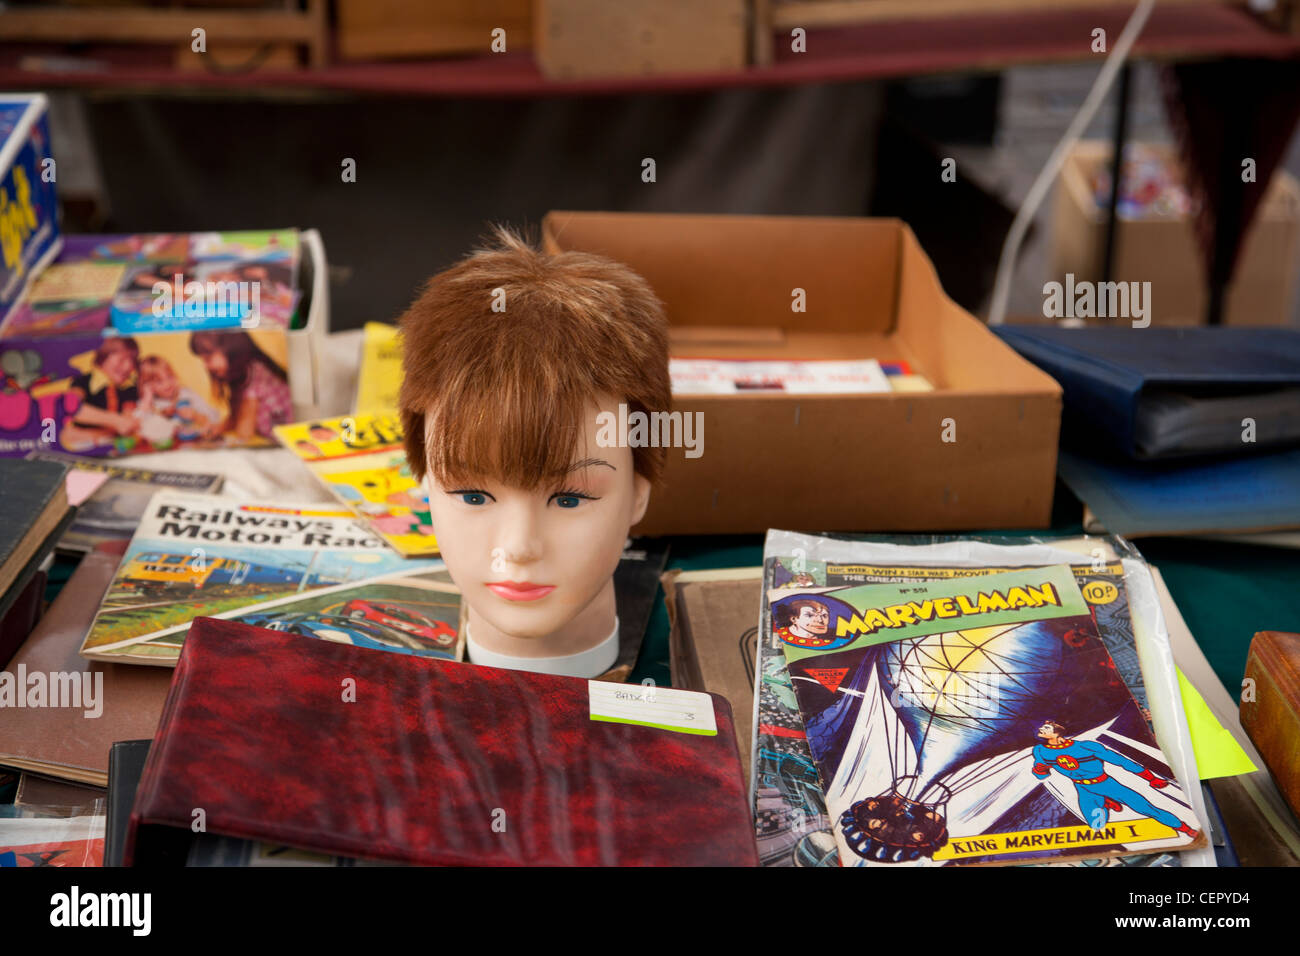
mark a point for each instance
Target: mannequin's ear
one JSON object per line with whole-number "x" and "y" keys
{"x": 641, "y": 497}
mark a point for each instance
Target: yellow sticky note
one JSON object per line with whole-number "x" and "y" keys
{"x": 1217, "y": 752}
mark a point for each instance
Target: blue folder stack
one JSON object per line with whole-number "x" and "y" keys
{"x": 1176, "y": 431}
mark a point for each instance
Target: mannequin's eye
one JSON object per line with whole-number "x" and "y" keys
{"x": 473, "y": 497}
{"x": 570, "y": 499}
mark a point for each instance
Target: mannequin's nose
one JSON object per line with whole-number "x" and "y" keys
{"x": 519, "y": 541}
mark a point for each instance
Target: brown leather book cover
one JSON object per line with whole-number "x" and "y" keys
{"x": 1270, "y": 707}
{"x": 65, "y": 742}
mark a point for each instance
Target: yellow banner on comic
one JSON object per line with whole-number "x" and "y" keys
{"x": 1054, "y": 838}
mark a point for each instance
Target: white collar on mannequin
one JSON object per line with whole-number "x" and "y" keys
{"x": 589, "y": 663}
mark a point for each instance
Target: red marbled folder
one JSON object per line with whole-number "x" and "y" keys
{"x": 422, "y": 764}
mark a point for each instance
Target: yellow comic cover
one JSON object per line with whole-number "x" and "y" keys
{"x": 361, "y": 460}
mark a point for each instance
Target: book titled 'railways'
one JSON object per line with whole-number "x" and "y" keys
{"x": 195, "y": 555}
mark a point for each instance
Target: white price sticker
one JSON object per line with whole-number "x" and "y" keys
{"x": 684, "y": 711}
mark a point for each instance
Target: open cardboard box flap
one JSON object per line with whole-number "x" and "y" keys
{"x": 832, "y": 462}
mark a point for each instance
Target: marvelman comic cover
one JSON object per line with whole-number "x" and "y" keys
{"x": 790, "y": 819}
{"x": 974, "y": 720}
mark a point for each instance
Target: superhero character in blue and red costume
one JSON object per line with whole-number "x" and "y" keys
{"x": 1083, "y": 762}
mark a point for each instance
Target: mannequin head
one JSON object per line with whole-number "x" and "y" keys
{"x": 510, "y": 356}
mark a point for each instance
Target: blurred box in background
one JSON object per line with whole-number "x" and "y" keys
{"x": 1156, "y": 239}
{"x": 393, "y": 29}
{"x": 590, "y": 38}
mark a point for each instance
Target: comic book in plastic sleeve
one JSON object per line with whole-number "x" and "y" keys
{"x": 361, "y": 460}
{"x": 52, "y": 836}
{"x": 974, "y": 720}
{"x": 790, "y": 820}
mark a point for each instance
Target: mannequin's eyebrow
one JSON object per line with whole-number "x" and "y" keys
{"x": 586, "y": 462}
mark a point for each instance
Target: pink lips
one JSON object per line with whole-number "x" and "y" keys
{"x": 515, "y": 591}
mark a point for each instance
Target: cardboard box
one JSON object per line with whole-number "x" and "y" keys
{"x": 29, "y": 213}
{"x": 393, "y": 29}
{"x": 1164, "y": 250}
{"x": 874, "y": 462}
{"x": 593, "y": 38}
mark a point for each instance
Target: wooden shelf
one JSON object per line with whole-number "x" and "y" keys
{"x": 879, "y": 50}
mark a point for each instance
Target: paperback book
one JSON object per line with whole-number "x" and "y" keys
{"x": 216, "y": 294}
{"x": 113, "y": 511}
{"x": 361, "y": 460}
{"x": 196, "y": 555}
{"x": 692, "y": 376}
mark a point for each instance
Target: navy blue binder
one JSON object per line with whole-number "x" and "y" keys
{"x": 1118, "y": 384}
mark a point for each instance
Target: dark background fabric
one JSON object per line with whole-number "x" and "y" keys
{"x": 432, "y": 175}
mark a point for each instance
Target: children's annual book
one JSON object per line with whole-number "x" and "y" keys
{"x": 973, "y": 720}
{"x": 361, "y": 460}
{"x": 202, "y": 555}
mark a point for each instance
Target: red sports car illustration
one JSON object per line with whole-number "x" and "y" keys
{"x": 399, "y": 618}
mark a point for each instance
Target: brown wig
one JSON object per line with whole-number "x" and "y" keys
{"x": 241, "y": 352}
{"x": 504, "y": 392}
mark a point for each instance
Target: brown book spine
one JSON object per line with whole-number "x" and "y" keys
{"x": 1270, "y": 707}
